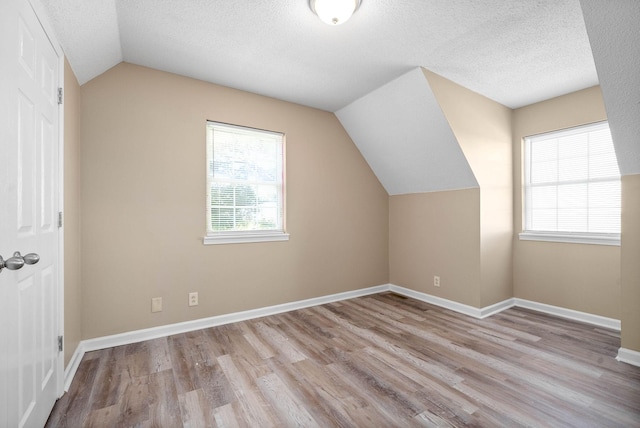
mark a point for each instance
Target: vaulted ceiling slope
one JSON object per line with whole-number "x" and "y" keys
{"x": 405, "y": 137}
{"x": 515, "y": 52}
{"x": 615, "y": 39}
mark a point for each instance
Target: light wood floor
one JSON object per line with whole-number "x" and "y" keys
{"x": 381, "y": 360}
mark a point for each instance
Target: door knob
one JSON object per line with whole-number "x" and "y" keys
{"x": 31, "y": 258}
{"x": 17, "y": 261}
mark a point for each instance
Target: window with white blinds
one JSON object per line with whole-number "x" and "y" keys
{"x": 572, "y": 190}
{"x": 245, "y": 184}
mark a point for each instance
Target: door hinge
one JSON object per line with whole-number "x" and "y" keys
{"x": 59, "y": 219}
{"x": 60, "y": 342}
{"x": 59, "y": 95}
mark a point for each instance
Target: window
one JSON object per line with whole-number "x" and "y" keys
{"x": 245, "y": 185}
{"x": 572, "y": 187}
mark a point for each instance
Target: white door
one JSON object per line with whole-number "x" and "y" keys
{"x": 29, "y": 198}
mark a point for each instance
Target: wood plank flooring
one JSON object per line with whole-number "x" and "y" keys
{"x": 381, "y": 360}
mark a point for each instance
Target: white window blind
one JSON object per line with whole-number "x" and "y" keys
{"x": 245, "y": 184}
{"x": 572, "y": 186}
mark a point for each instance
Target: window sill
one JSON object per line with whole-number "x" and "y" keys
{"x": 244, "y": 237}
{"x": 572, "y": 238}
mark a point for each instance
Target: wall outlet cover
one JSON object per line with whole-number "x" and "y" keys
{"x": 156, "y": 304}
{"x": 193, "y": 298}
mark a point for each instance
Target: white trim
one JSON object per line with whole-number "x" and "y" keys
{"x": 571, "y": 238}
{"x": 72, "y": 367}
{"x": 43, "y": 19}
{"x": 625, "y": 355}
{"x": 244, "y": 237}
{"x": 629, "y": 356}
{"x": 571, "y": 314}
{"x": 454, "y": 306}
{"x": 491, "y": 310}
{"x": 183, "y": 327}
{"x": 613, "y": 176}
{"x": 438, "y": 301}
{"x": 488, "y": 311}
{"x": 167, "y": 330}
{"x": 61, "y": 230}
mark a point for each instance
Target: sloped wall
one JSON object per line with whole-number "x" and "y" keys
{"x": 483, "y": 129}
{"x": 614, "y": 35}
{"x": 404, "y": 136}
{"x": 424, "y": 136}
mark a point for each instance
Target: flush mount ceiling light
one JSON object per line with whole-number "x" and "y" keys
{"x": 334, "y": 12}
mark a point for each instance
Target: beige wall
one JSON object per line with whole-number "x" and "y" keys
{"x": 143, "y": 205}
{"x": 142, "y": 167}
{"x": 436, "y": 233}
{"x": 483, "y": 130}
{"x": 575, "y": 276}
{"x": 72, "y": 254}
{"x": 630, "y": 262}
{"x": 463, "y": 236}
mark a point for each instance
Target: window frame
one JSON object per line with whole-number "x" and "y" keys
{"x": 243, "y": 236}
{"x": 597, "y": 238}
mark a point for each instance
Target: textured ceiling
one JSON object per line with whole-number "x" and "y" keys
{"x": 515, "y": 52}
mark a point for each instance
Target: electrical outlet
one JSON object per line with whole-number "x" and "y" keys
{"x": 193, "y": 298}
{"x": 156, "y": 304}
{"x": 436, "y": 281}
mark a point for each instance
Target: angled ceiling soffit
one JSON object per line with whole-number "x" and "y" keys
{"x": 614, "y": 34}
{"x": 403, "y": 134}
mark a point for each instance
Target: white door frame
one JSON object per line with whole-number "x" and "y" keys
{"x": 48, "y": 29}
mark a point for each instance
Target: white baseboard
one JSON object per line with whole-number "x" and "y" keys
{"x": 632, "y": 357}
{"x": 485, "y": 312}
{"x": 72, "y": 367}
{"x": 454, "y": 306}
{"x": 629, "y": 356}
{"x": 490, "y": 310}
{"x": 585, "y": 317}
{"x": 183, "y": 327}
